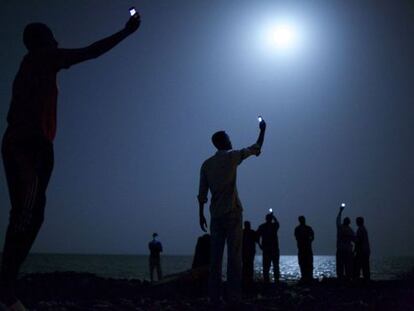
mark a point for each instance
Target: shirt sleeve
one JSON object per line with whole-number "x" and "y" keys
{"x": 240, "y": 155}
{"x": 203, "y": 188}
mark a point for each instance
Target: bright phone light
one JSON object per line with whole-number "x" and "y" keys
{"x": 343, "y": 204}
{"x": 270, "y": 210}
{"x": 132, "y": 11}
{"x": 260, "y": 118}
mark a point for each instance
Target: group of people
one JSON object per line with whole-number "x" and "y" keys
{"x": 352, "y": 250}
{"x": 218, "y": 175}
{"x": 27, "y": 151}
{"x": 352, "y": 255}
{"x": 267, "y": 239}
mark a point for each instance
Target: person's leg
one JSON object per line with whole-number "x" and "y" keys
{"x": 301, "y": 265}
{"x": 159, "y": 271}
{"x": 339, "y": 265}
{"x": 151, "y": 269}
{"x": 250, "y": 269}
{"x": 28, "y": 168}
{"x": 276, "y": 267}
{"x": 366, "y": 271}
{"x": 218, "y": 238}
{"x": 234, "y": 256}
{"x": 310, "y": 265}
{"x": 349, "y": 259}
{"x": 266, "y": 267}
{"x": 357, "y": 266}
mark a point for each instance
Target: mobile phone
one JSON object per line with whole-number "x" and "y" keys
{"x": 270, "y": 210}
{"x": 132, "y": 11}
{"x": 343, "y": 204}
{"x": 259, "y": 118}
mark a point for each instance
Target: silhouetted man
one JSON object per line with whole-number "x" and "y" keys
{"x": 27, "y": 147}
{"x": 304, "y": 237}
{"x": 218, "y": 174}
{"x": 248, "y": 253}
{"x": 155, "y": 248}
{"x": 344, "y": 246}
{"x": 362, "y": 251}
{"x": 269, "y": 243}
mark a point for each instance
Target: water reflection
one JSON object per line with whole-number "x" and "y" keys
{"x": 324, "y": 266}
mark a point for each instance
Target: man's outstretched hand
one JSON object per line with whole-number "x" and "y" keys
{"x": 133, "y": 23}
{"x": 203, "y": 223}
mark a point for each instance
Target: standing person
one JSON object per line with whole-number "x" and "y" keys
{"x": 362, "y": 251}
{"x": 155, "y": 248}
{"x": 248, "y": 253}
{"x": 219, "y": 175}
{"x": 27, "y": 147}
{"x": 344, "y": 246}
{"x": 304, "y": 237}
{"x": 269, "y": 243}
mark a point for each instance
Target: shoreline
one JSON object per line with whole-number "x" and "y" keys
{"x": 187, "y": 291}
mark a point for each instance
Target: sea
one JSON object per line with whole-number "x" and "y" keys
{"x": 136, "y": 266}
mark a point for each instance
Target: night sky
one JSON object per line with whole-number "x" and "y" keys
{"x": 134, "y": 126}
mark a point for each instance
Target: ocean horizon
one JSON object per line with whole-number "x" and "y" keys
{"x": 121, "y": 266}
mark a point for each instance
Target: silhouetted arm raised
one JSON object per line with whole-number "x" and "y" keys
{"x": 69, "y": 57}
{"x": 339, "y": 217}
{"x": 260, "y": 139}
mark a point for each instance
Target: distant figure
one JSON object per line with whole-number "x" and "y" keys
{"x": 155, "y": 248}
{"x": 362, "y": 251}
{"x": 304, "y": 237}
{"x": 202, "y": 252}
{"x": 269, "y": 243}
{"x": 248, "y": 253}
{"x": 344, "y": 247}
{"x": 27, "y": 147}
{"x": 218, "y": 174}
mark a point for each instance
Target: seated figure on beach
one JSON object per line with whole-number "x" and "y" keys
{"x": 269, "y": 244}
{"x": 155, "y": 248}
{"x": 344, "y": 247}
{"x": 248, "y": 253}
{"x": 202, "y": 252}
{"x": 362, "y": 251}
{"x": 304, "y": 237}
{"x": 27, "y": 147}
{"x": 218, "y": 174}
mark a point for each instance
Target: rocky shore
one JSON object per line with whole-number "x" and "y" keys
{"x": 83, "y": 291}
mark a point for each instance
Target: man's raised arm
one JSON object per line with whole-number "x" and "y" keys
{"x": 339, "y": 217}
{"x": 260, "y": 139}
{"x": 69, "y": 57}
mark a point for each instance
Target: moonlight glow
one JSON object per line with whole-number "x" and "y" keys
{"x": 281, "y": 36}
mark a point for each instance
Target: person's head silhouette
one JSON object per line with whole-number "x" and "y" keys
{"x": 360, "y": 221}
{"x": 247, "y": 225}
{"x": 347, "y": 221}
{"x": 221, "y": 141}
{"x": 269, "y": 217}
{"x": 154, "y": 235}
{"x": 302, "y": 220}
{"x": 37, "y": 36}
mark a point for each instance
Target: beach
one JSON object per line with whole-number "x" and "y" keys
{"x": 82, "y": 291}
